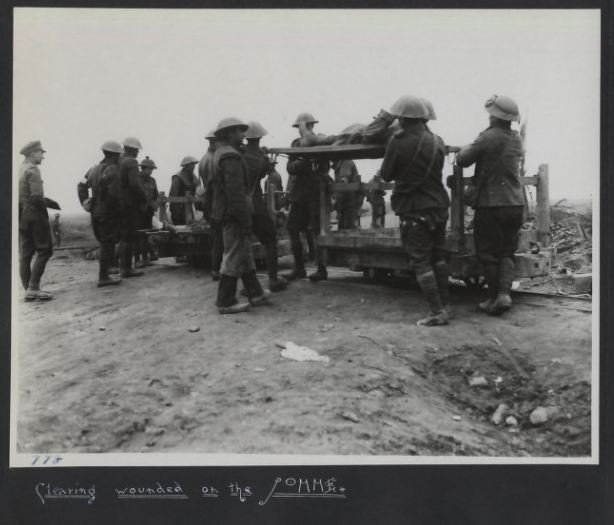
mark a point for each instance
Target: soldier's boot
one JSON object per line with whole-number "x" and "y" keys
{"x": 491, "y": 275}
{"x": 442, "y": 276}
{"x": 226, "y": 297}
{"x": 438, "y": 316}
{"x": 33, "y": 294}
{"x": 106, "y": 257}
{"x": 503, "y": 302}
{"x": 256, "y": 295}
{"x": 276, "y": 283}
{"x": 126, "y": 270}
{"x": 298, "y": 272}
{"x": 319, "y": 275}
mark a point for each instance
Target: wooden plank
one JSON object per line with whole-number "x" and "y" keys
{"x": 542, "y": 211}
{"x": 529, "y": 181}
{"x": 348, "y": 151}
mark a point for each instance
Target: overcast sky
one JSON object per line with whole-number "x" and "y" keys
{"x": 84, "y": 76}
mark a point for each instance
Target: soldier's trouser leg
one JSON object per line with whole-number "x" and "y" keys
{"x": 106, "y": 231}
{"x": 252, "y": 285}
{"x": 34, "y": 238}
{"x": 217, "y": 246}
{"x": 314, "y": 226}
{"x": 128, "y": 235}
{"x": 226, "y": 291}
{"x": 298, "y": 220}
{"x": 264, "y": 230}
{"x": 238, "y": 256}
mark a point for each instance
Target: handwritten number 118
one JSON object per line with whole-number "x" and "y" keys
{"x": 51, "y": 460}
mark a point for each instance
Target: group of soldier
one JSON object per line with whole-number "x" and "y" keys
{"x": 121, "y": 196}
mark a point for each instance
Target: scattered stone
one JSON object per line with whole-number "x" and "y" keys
{"x": 511, "y": 421}
{"x": 478, "y": 381}
{"x": 258, "y": 369}
{"x": 194, "y": 329}
{"x": 457, "y": 418}
{"x": 539, "y": 416}
{"x": 350, "y": 416}
{"x": 496, "y": 341}
{"x": 326, "y": 327}
{"x": 498, "y": 380}
{"x": 302, "y": 353}
{"x": 279, "y": 344}
{"x": 499, "y": 414}
{"x": 102, "y": 328}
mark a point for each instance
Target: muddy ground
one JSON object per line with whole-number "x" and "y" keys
{"x": 118, "y": 370}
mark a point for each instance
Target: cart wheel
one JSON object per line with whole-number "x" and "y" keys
{"x": 475, "y": 281}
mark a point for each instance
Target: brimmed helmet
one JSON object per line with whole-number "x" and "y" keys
{"x": 429, "y": 107}
{"x": 132, "y": 142}
{"x": 502, "y": 107}
{"x": 230, "y": 122}
{"x": 111, "y": 146}
{"x": 304, "y": 117}
{"x": 211, "y": 135}
{"x": 186, "y": 161}
{"x": 409, "y": 106}
{"x": 255, "y": 130}
{"x": 148, "y": 163}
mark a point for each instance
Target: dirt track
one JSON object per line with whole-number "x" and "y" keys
{"x": 117, "y": 370}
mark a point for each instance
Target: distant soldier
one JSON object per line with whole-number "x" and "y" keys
{"x": 274, "y": 180}
{"x": 346, "y": 202}
{"x": 132, "y": 202}
{"x": 414, "y": 160}
{"x": 104, "y": 206}
{"x": 305, "y": 198}
{"x": 56, "y": 229}
{"x": 205, "y": 170}
{"x": 378, "y": 204}
{"x": 499, "y": 201}
{"x": 232, "y": 207}
{"x": 34, "y": 229}
{"x": 146, "y": 253}
{"x": 181, "y": 183}
{"x": 262, "y": 223}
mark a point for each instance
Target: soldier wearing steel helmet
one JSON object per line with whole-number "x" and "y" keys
{"x": 497, "y": 152}
{"x": 263, "y": 226}
{"x": 34, "y": 229}
{"x": 232, "y": 207}
{"x": 205, "y": 169}
{"x": 132, "y": 201}
{"x": 181, "y": 183}
{"x": 103, "y": 204}
{"x": 305, "y": 197}
{"x": 414, "y": 159}
{"x": 145, "y": 252}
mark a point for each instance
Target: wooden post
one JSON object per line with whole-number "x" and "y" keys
{"x": 324, "y": 211}
{"x": 542, "y": 210}
{"x": 457, "y": 210}
{"x": 189, "y": 209}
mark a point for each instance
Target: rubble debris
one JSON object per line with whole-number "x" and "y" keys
{"x": 478, "y": 381}
{"x": 457, "y": 418}
{"x": 302, "y": 353}
{"x": 350, "y": 416}
{"x": 194, "y": 329}
{"x": 539, "y": 416}
{"x": 499, "y": 414}
{"x": 511, "y": 421}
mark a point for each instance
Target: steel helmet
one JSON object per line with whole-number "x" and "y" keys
{"x": 255, "y": 130}
{"x": 211, "y": 135}
{"x": 132, "y": 142}
{"x": 429, "y": 107}
{"x": 304, "y": 117}
{"x": 186, "y": 161}
{"x": 230, "y": 122}
{"x": 148, "y": 163}
{"x": 111, "y": 146}
{"x": 409, "y": 106}
{"x": 502, "y": 107}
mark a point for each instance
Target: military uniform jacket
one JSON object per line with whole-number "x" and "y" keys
{"x": 230, "y": 188}
{"x": 103, "y": 180}
{"x": 502, "y": 179}
{"x": 132, "y": 194}
{"x": 306, "y": 183}
{"x": 181, "y": 183}
{"x": 406, "y": 161}
{"x": 257, "y": 168}
{"x": 346, "y": 172}
{"x": 205, "y": 167}
{"x": 151, "y": 191}
{"x": 32, "y": 204}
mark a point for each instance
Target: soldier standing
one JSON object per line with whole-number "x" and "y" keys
{"x": 146, "y": 253}
{"x": 205, "y": 170}
{"x": 346, "y": 202}
{"x": 232, "y": 207}
{"x": 34, "y": 229}
{"x": 274, "y": 180}
{"x": 414, "y": 159}
{"x": 499, "y": 201}
{"x": 262, "y": 223}
{"x": 181, "y": 183}
{"x": 378, "y": 204}
{"x": 56, "y": 229}
{"x": 104, "y": 206}
{"x": 305, "y": 198}
{"x": 132, "y": 203}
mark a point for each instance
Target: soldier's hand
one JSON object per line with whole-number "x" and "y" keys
{"x": 87, "y": 205}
